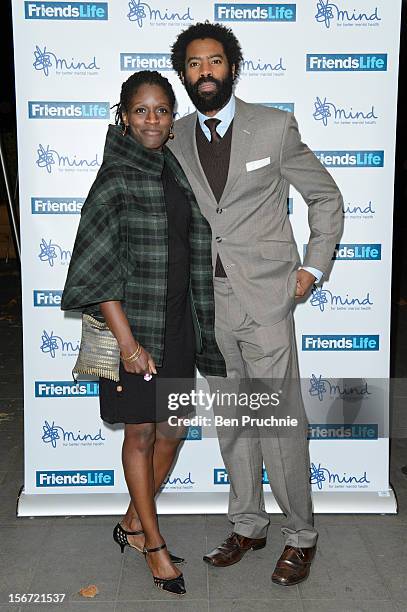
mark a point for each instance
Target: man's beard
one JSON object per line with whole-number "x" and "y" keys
{"x": 210, "y": 100}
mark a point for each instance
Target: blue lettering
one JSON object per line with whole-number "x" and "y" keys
{"x": 359, "y": 210}
{"x": 259, "y": 66}
{"x": 177, "y": 480}
{"x": 328, "y": 11}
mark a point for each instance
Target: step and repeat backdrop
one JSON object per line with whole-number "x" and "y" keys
{"x": 335, "y": 65}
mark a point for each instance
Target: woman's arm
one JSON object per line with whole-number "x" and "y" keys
{"x": 118, "y": 324}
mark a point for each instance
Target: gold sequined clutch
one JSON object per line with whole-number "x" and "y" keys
{"x": 99, "y": 353}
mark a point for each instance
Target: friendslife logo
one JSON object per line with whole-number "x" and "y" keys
{"x": 145, "y": 61}
{"x": 355, "y": 252}
{"x": 75, "y": 478}
{"x": 340, "y": 343}
{"x": 221, "y": 477}
{"x": 351, "y": 159}
{"x": 324, "y": 111}
{"x": 56, "y": 206}
{"x": 47, "y": 297}
{"x": 66, "y": 388}
{"x": 68, "y": 110}
{"x": 77, "y": 11}
{"x": 339, "y": 431}
{"x": 255, "y": 12}
{"x": 329, "y": 11}
{"x": 50, "y": 158}
{"x": 358, "y": 252}
{"x": 346, "y": 62}
{"x": 46, "y": 61}
{"x": 141, "y": 11}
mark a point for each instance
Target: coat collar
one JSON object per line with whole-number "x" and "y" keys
{"x": 127, "y": 151}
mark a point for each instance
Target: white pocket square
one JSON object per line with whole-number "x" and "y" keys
{"x": 258, "y": 163}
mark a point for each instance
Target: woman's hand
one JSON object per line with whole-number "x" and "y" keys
{"x": 118, "y": 324}
{"x": 144, "y": 364}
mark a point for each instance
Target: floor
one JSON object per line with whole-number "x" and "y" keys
{"x": 361, "y": 564}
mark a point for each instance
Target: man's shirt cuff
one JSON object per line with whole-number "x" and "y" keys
{"x": 317, "y": 273}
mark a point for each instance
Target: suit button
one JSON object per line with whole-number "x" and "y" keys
{"x": 219, "y": 211}
{"x": 218, "y": 239}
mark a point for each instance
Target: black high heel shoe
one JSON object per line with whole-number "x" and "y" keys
{"x": 120, "y": 536}
{"x": 175, "y": 586}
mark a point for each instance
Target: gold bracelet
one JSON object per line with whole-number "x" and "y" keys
{"x": 134, "y": 355}
{"x": 133, "y": 359}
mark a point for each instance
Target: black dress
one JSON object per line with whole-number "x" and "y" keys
{"x": 140, "y": 401}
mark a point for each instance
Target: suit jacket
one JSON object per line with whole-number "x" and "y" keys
{"x": 250, "y": 226}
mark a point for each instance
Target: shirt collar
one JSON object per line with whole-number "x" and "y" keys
{"x": 225, "y": 116}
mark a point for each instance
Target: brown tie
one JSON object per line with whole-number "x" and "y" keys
{"x": 212, "y": 124}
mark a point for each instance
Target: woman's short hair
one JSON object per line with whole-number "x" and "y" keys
{"x": 216, "y": 31}
{"x": 134, "y": 82}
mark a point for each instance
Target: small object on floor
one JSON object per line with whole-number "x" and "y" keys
{"x": 89, "y": 591}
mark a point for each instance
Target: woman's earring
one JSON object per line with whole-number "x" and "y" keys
{"x": 124, "y": 129}
{"x": 171, "y": 134}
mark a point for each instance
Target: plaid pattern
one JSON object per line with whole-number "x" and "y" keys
{"x": 121, "y": 249}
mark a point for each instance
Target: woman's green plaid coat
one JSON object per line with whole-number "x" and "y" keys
{"x": 121, "y": 249}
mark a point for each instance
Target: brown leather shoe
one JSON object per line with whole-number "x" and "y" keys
{"x": 233, "y": 549}
{"x": 293, "y": 566}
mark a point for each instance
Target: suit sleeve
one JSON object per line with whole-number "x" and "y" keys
{"x": 95, "y": 273}
{"x": 302, "y": 169}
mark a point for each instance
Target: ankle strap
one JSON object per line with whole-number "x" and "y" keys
{"x": 140, "y": 532}
{"x": 151, "y": 550}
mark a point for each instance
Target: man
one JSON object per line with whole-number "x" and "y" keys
{"x": 240, "y": 160}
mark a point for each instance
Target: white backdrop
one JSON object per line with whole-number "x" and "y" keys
{"x": 335, "y": 65}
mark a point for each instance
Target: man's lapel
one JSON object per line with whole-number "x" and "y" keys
{"x": 242, "y": 137}
{"x": 191, "y": 156}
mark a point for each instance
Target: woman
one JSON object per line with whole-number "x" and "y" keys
{"x": 142, "y": 262}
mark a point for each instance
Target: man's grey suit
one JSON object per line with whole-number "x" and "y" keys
{"x": 253, "y": 307}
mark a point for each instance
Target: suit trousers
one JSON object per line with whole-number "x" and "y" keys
{"x": 264, "y": 355}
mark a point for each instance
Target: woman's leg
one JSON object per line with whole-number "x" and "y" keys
{"x": 137, "y": 456}
{"x": 166, "y": 445}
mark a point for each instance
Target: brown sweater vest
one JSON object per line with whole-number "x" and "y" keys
{"x": 214, "y": 158}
